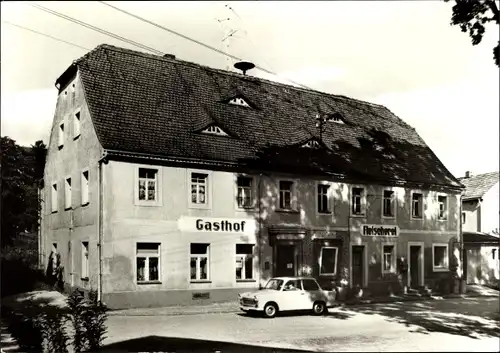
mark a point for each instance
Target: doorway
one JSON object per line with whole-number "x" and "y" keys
{"x": 358, "y": 265}
{"x": 286, "y": 261}
{"x": 415, "y": 265}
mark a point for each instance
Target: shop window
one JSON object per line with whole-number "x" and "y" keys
{"x": 85, "y": 260}
{"x": 285, "y": 194}
{"x": 443, "y": 207}
{"x": 244, "y": 261}
{"x": 416, "y": 205}
{"x": 388, "y": 260}
{"x": 244, "y": 194}
{"x": 357, "y": 201}
{"x": 388, "y": 203}
{"x": 440, "y": 257}
{"x": 148, "y": 180}
{"x": 323, "y": 192}
{"x": 148, "y": 262}
{"x": 199, "y": 263}
{"x": 328, "y": 260}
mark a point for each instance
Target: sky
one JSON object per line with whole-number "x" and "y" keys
{"x": 401, "y": 54}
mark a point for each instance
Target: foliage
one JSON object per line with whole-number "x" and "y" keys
{"x": 55, "y": 271}
{"x": 472, "y": 16}
{"x": 54, "y": 331}
{"x": 27, "y": 331}
{"x": 76, "y": 315}
{"x": 95, "y": 317}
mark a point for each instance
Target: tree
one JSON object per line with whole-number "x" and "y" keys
{"x": 472, "y": 16}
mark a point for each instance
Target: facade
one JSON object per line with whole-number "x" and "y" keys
{"x": 168, "y": 182}
{"x": 480, "y": 224}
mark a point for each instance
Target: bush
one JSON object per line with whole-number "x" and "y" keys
{"x": 95, "y": 317}
{"x": 54, "y": 332}
{"x": 76, "y": 315}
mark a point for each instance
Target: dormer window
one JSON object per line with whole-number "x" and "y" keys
{"x": 214, "y": 130}
{"x": 239, "y": 101}
{"x": 311, "y": 144}
{"x": 336, "y": 118}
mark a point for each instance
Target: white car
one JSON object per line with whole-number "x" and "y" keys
{"x": 286, "y": 294}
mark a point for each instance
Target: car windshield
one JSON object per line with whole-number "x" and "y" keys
{"x": 275, "y": 284}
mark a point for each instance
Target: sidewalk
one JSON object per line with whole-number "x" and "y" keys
{"x": 7, "y": 343}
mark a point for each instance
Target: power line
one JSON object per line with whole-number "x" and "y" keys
{"x": 196, "y": 41}
{"x": 46, "y": 35}
{"x": 97, "y": 29}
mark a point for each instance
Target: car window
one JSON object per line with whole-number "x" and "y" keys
{"x": 274, "y": 284}
{"x": 292, "y": 284}
{"x": 310, "y": 285}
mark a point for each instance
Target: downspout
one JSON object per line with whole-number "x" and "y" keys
{"x": 260, "y": 230}
{"x": 461, "y": 240}
{"x": 100, "y": 222}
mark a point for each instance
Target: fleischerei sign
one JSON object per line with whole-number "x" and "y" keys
{"x": 379, "y": 230}
{"x": 217, "y": 225}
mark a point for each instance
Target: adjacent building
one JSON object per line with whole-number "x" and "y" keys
{"x": 480, "y": 225}
{"x": 168, "y": 182}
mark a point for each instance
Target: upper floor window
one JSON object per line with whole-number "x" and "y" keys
{"x": 85, "y": 260}
{"x": 357, "y": 201}
{"x": 416, "y": 205}
{"x": 324, "y": 198}
{"x": 285, "y": 194}
{"x": 443, "y": 207}
{"x": 60, "y": 137}
{"x": 215, "y": 130}
{"x": 85, "y": 187}
{"x": 76, "y": 125}
{"x": 73, "y": 95}
{"x": 199, "y": 183}
{"x": 67, "y": 194}
{"x": 244, "y": 196}
{"x": 148, "y": 184}
{"x": 388, "y": 203}
{"x": 239, "y": 101}
{"x": 53, "y": 198}
{"x": 463, "y": 217}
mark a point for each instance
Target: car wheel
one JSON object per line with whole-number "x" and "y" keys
{"x": 270, "y": 310}
{"x": 319, "y": 308}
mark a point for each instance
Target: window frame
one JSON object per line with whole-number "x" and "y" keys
{"x": 85, "y": 266}
{"x": 463, "y": 217}
{"x": 445, "y": 268}
{"x": 72, "y": 94}
{"x": 60, "y": 135}
{"x": 146, "y": 263}
{"x": 293, "y": 195}
{"x": 54, "y": 201}
{"x": 85, "y": 188}
{"x": 446, "y": 207}
{"x": 422, "y": 206}
{"x": 244, "y": 257}
{"x": 393, "y": 203}
{"x": 393, "y": 259}
{"x": 208, "y": 189}
{"x": 158, "y": 186}
{"x": 321, "y": 260}
{"x": 77, "y": 122}
{"x": 198, "y": 267}
{"x": 253, "y": 188}
{"x": 329, "y": 195}
{"x": 68, "y": 200}
{"x": 363, "y": 201}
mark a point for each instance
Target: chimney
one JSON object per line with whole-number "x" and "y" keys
{"x": 468, "y": 174}
{"x": 169, "y": 56}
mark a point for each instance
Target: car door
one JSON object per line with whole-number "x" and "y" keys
{"x": 312, "y": 292}
{"x": 292, "y": 296}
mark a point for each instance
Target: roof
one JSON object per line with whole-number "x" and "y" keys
{"x": 477, "y": 185}
{"x": 480, "y": 238}
{"x": 143, "y": 103}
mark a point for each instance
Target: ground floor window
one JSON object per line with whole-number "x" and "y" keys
{"x": 440, "y": 257}
{"x": 200, "y": 256}
{"x": 244, "y": 261}
{"x": 388, "y": 259}
{"x": 328, "y": 260}
{"x": 148, "y": 262}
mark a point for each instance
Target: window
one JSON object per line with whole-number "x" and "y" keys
{"x": 67, "y": 193}
{"x": 244, "y": 261}
{"x": 199, "y": 188}
{"x": 148, "y": 262}
{"x": 239, "y": 101}
{"x": 199, "y": 262}
{"x": 310, "y": 285}
{"x": 336, "y": 118}
{"x": 416, "y": 205}
{"x": 443, "y": 207}
{"x": 388, "y": 203}
{"x": 73, "y": 95}
{"x": 292, "y": 285}
{"x": 53, "y": 198}
{"x": 440, "y": 257}
{"x": 244, "y": 197}
{"x": 493, "y": 253}
{"x": 85, "y": 187}
{"x": 323, "y": 198}
{"x": 311, "y": 144}
{"x": 214, "y": 130}
{"x": 463, "y": 217}
{"x": 357, "y": 201}
{"x": 76, "y": 125}
{"x": 388, "y": 264}
{"x": 61, "y": 135}
{"x": 328, "y": 260}
{"x": 285, "y": 196}
{"x": 147, "y": 184}
{"x": 85, "y": 260}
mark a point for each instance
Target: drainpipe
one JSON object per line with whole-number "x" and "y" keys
{"x": 100, "y": 222}
{"x": 260, "y": 229}
{"x": 461, "y": 247}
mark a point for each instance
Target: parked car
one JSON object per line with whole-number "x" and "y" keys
{"x": 287, "y": 294}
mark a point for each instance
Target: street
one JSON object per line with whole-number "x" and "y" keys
{"x": 448, "y": 325}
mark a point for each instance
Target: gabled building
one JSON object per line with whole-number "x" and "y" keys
{"x": 480, "y": 225}
{"x": 169, "y": 182}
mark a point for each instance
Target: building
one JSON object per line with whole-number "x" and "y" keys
{"x": 168, "y": 182}
{"x": 480, "y": 225}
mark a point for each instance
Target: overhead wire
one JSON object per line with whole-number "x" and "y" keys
{"x": 46, "y": 35}
{"x": 97, "y": 29}
{"x": 197, "y": 42}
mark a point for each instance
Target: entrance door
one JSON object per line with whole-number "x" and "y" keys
{"x": 414, "y": 266}
{"x": 285, "y": 260}
{"x": 473, "y": 266}
{"x": 357, "y": 266}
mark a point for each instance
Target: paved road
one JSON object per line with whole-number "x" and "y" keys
{"x": 449, "y": 325}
